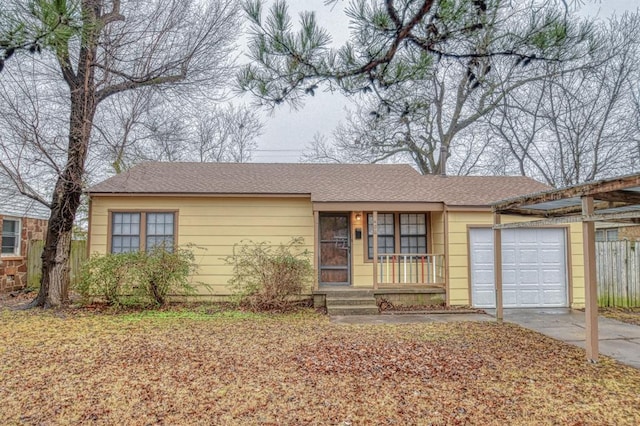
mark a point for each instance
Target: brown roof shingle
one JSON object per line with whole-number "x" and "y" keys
{"x": 322, "y": 182}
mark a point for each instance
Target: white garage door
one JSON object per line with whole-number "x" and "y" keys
{"x": 534, "y": 272}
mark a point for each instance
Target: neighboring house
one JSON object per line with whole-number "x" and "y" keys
{"x": 22, "y": 220}
{"x": 433, "y": 233}
{"x": 617, "y": 232}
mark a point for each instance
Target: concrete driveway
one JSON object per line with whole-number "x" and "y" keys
{"x": 616, "y": 339}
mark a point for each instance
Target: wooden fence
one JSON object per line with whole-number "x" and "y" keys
{"x": 618, "y": 269}
{"x": 34, "y": 261}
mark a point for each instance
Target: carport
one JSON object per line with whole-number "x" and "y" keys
{"x": 608, "y": 200}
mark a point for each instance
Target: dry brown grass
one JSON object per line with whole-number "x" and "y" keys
{"x": 191, "y": 367}
{"x": 628, "y": 315}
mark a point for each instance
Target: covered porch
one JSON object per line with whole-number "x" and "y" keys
{"x": 382, "y": 247}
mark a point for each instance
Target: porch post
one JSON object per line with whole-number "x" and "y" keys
{"x": 497, "y": 265}
{"x": 590, "y": 281}
{"x": 375, "y": 249}
{"x": 316, "y": 248}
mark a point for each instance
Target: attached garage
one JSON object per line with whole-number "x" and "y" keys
{"x": 534, "y": 267}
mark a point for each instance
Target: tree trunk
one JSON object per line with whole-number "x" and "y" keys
{"x": 54, "y": 285}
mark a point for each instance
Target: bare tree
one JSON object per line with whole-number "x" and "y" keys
{"x": 224, "y": 135}
{"x": 144, "y": 127}
{"x": 137, "y": 126}
{"x": 580, "y": 126}
{"x": 123, "y": 45}
{"x": 430, "y": 73}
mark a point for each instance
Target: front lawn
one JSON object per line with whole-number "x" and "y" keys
{"x": 193, "y": 367}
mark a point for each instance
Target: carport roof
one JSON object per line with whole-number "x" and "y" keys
{"x": 615, "y": 200}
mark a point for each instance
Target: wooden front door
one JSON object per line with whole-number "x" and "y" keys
{"x": 335, "y": 249}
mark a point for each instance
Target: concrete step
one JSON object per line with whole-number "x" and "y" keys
{"x": 352, "y": 309}
{"x": 348, "y": 293}
{"x": 350, "y": 301}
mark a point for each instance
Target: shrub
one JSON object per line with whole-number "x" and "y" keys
{"x": 139, "y": 278}
{"x": 269, "y": 277}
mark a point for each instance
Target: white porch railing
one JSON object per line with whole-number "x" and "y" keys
{"x": 410, "y": 268}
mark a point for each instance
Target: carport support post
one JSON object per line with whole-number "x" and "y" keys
{"x": 497, "y": 265}
{"x": 590, "y": 280}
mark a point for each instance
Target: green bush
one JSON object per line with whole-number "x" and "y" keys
{"x": 267, "y": 277}
{"x": 139, "y": 278}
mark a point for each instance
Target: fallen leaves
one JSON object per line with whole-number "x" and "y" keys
{"x": 628, "y": 315}
{"x": 237, "y": 368}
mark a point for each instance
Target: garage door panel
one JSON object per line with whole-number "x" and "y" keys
{"x": 528, "y": 277}
{"x": 534, "y": 267}
{"x": 529, "y": 297}
{"x": 509, "y": 297}
{"x": 484, "y": 256}
{"x": 508, "y": 255}
{"x": 508, "y": 276}
{"x": 486, "y": 298}
{"x": 554, "y": 298}
{"x": 525, "y": 238}
{"x": 550, "y": 256}
{"x": 508, "y": 238}
{"x": 485, "y": 278}
{"x": 528, "y": 256}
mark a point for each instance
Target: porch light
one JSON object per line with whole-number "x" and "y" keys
{"x": 358, "y": 217}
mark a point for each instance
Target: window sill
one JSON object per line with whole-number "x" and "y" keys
{"x": 5, "y": 257}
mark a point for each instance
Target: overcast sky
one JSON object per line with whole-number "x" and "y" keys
{"x": 287, "y": 132}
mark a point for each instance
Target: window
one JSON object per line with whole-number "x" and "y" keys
{"x": 130, "y": 229}
{"x": 125, "y": 234}
{"x": 386, "y": 239}
{"x": 607, "y": 234}
{"x": 160, "y": 230}
{"x": 411, "y": 233}
{"x": 11, "y": 237}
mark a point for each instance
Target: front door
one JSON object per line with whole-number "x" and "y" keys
{"x": 335, "y": 250}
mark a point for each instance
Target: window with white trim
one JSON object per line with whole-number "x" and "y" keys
{"x": 133, "y": 231}
{"x": 11, "y": 237}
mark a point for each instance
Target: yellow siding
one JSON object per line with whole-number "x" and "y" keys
{"x": 361, "y": 271}
{"x": 214, "y": 225}
{"x": 436, "y": 232}
{"x": 459, "y": 280}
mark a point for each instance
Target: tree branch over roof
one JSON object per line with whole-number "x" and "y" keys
{"x": 396, "y": 41}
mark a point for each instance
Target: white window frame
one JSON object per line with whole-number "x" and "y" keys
{"x": 18, "y": 245}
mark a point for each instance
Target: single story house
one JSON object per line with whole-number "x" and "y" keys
{"x": 22, "y": 220}
{"x": 431, "y": 235}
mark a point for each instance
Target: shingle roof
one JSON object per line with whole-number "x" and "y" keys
{"x": 15, "y": 204}
{"x": 481, "y": 190}
{"x": 322, "y": 182}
